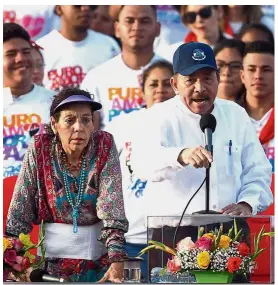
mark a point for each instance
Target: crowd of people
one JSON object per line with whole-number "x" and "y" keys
{"x": 75, "y": 74}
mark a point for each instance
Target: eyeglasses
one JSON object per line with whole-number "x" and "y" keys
{"x": 234, "y": 66}
{"x": 204, "y": 13}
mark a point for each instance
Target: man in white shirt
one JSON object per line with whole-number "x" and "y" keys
{"x": 173, "y": 156}
{"x": 257, "y": 75}
{"x": 75, "y": 49}
{"x": 115, "y": 84}
{"x": 26, "y": 105}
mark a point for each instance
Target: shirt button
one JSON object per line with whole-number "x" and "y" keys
{"x": 214, "y": 206}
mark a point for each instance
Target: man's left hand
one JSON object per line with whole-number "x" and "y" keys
{"x": 240, "y": 209}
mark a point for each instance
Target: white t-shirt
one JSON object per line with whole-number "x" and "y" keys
{"x": 38, "y": 20}
{"x": 22, "y": 118}
{"x": 116, "y": 87}
{"x": 67, "y": 62}
{"x": 269, "y": 147}
{"x": 124, "y": 130}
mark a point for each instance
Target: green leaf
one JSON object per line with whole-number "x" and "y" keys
{"x": 163, "y": 271}
{"x": 259, "y": 238}
{"x": 200, "y": 231}
{"x": 257, "y": 253}
{"x": 230, "y": 232}
{"x": 144, "y": 250}
{"x": 235, "y": 227}
{"x": 269, "y": 234}
{"x": 238, "y": 235}
{"x": 218, "y": 237}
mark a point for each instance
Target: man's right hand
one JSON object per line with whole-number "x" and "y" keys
{"x": 198, "y": 157}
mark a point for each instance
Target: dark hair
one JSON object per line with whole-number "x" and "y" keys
{"x": 158, "y": 64}
{"x": 64, "y": 94}
{"x": 256, "y": 26}
{"x": 152, "y": 6}
{"x": 251, "y": 13}
{"x": 259, "y": 47}
{"x": 229, "y": 43}
{"x": 13, "y": 30}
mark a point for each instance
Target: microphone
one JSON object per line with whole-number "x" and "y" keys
{"x": 208, "y": 125}
{"x": 39, "y": 275}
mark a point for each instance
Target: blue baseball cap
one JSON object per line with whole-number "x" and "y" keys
{"x": 193, "y": 56}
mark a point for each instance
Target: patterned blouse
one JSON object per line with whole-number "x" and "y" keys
{"x": 39, "y": 193}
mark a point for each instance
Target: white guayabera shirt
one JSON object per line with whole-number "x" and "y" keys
{"x": 169, "y": 127}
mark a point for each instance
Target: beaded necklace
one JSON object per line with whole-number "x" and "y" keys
{"x": 81, "y": 189}
{"x": 81, "y": 186}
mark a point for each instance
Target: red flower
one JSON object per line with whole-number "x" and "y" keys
{"x": 17, "y": 244}
{"x": 174, "y": 265}
{"x": 10, "y": 257}
{"x": 204, "y": 243}
{"x": 243, "y": 249}
{"x": 233, "y": 264}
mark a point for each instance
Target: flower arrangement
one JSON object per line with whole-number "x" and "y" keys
{"x": 17, "y": 258}
{"x": 214, "y": 251}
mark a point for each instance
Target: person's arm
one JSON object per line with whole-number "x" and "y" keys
{"x": 22, "y": 208}
{"x": 153, "y": 156}
{"x": 256, "y": 173}
{"x": 110, "y": 206}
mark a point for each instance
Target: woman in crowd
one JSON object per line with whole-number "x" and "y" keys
{"x": 38, "y": 71}
{"x": 235, "y": 16}
{"x": 255, "y": 32}
{"x": 71, "y": 180}
{"x": 204, "y": 22}
{"x": 228, "y": 55}
{"x": 156, "y": 88}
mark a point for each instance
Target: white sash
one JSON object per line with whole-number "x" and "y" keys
{"x": 61, "y": 242}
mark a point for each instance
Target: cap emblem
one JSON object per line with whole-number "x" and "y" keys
{"x": 198, "y": 54}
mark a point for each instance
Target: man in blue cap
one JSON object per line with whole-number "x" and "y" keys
{"x": 174, "y": 160}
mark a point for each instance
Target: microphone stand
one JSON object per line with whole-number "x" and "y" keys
{"x": 207, "y": 211}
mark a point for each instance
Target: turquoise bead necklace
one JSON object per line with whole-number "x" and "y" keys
{"x": 81, "y": 189}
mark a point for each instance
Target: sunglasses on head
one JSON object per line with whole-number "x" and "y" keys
{"x": 204, "y": 13}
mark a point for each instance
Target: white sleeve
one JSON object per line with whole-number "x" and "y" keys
{"x": 151, "y": 158}
{"x": 256, "y": 173}
{"x": 117, "y": 128}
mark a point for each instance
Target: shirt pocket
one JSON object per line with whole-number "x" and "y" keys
{"x": 233, "y": 159}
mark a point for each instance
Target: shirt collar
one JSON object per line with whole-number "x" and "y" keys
{"x": 7, "y": 96}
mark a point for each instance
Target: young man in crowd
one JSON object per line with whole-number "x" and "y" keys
{"x": 75, "y": 49}
{"x": 116, "y": 82}
{"x": 257, "y": 75}
{"x": 228, "y": 54}
{"x": 26, "y": 105}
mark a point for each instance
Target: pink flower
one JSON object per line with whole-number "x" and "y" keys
{"x": 185, "y": 244}
{"x": 204, "y": 243}
{"x": 17, "y": 244}
{"x": 174, "y": 265}
{"x": 10, "y": 257}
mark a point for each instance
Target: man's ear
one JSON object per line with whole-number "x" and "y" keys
{"x": 117, "y": 29}
{"x": 242, "y": 76}
{"x": 174, "y": 83}
{"x": 158, "y": 29}
{"x": 58, "y": 10}
{"x": 53, "y": 125}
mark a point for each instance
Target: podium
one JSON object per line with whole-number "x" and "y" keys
{"x": 162, "y": 229}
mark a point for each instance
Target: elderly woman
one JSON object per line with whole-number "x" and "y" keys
{"x": 71, "y": 179}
